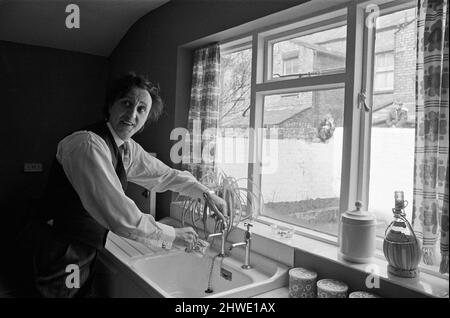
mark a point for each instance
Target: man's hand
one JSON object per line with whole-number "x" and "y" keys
{"x": 185, "y": 236}
{"x": 215, "y": 202}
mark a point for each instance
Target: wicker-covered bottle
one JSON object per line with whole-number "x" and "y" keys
{"x": 400, "y": 246}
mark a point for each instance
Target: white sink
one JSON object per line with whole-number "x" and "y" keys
{"x": 186, "y": 275}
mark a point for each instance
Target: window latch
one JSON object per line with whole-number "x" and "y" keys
{"x": 362, "y": 104}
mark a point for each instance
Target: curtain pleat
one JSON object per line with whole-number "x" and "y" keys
{"x": 430, "y": 203}
{"x": 203, "y": 110}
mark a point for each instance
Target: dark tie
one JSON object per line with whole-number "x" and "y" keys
{"x": 120, "y": 170}
{"x": 125, "y": 150}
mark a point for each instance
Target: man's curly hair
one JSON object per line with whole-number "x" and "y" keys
{"x": 119, "y": 87}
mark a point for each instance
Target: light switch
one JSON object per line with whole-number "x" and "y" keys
{"x": 32, "y": 167}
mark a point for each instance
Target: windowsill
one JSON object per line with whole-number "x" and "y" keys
{"x": 265, "y": 243}
{"x": 426, "y": 284}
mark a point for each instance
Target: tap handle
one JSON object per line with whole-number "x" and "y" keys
{"x": 248, "y": 225}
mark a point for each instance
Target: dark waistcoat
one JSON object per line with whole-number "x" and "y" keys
{"x": 62, "y": 203}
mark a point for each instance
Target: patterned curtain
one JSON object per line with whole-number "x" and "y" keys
{"x": 204, "y": 110}
{"x": 431, "y": 167}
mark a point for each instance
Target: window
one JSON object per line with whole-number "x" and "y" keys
{"x": 234, "y": 112}
{"x": 393, "y": 117}
{"x": 303, "y": 123}
{"x": 316, "y": 53}
{"x": 384, "y": 70}
{"x": 319, "y": 151}
{"x": 384, "y": 81}
{"x": 291, "y": 66}
{"x": 300, "y": 148}
{"x": 304, "y": 188}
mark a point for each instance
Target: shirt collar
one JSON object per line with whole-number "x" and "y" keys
{"x": 117, "y": 139}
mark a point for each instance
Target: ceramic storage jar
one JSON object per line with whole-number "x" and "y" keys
{"x": 357, "y": 239}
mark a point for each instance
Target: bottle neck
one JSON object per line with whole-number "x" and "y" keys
{"x": 399, "y": 213}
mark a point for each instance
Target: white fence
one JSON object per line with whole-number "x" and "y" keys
{"x": 306, "y": 170}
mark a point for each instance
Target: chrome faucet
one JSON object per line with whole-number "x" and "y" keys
{"x": 247, "y": 243}
{"x": 224, "y": 226}
{"x": 223, "y": 234}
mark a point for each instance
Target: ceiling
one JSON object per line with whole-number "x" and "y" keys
{"x": 103, "y": 23}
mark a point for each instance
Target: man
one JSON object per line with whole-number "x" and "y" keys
{"x": 85, "y": 197}
{"x": 397, "y": 116}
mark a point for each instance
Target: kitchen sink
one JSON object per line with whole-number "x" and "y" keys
{"x": 189, "y": 275}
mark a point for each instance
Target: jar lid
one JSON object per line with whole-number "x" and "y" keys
{"x": 332, "y": 285}
{"x": 362, "y": 294}
{"x": 302, "y": 273}
{"x": 358, "y": 216}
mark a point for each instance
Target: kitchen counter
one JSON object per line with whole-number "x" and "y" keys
{"x": 276, "y": 293}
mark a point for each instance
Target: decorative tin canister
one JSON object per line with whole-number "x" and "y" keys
{"x": 330, "y": 288}
{"x": 362, "y": 294}
{"x": 302, "y": 283}
{"x": 401, "y": 247}
{"x": 357, "y": 240}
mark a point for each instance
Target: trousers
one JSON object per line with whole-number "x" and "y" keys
{"x": 62, "y": 268}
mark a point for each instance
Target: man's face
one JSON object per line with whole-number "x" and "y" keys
{"x": 127, "y": 115}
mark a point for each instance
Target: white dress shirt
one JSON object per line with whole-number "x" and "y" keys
{"x": 87, "y": 163}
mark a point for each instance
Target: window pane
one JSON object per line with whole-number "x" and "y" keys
{"x": 301, "y": 170}
{"x": 384, "y": 61}
{"x": 384, "y": 81}
{"x": 234, "y": 114}
{"x": 291, "y": 66}
{"x": 393, "y": 116}
{"x": 315, "y": 54}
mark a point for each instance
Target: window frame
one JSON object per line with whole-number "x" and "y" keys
{"x": 366, "y": 117}
{"x": 368, "y": 87}
{"x": 293, "y": 84}
{"x": 332, "y": 19}
{"x": 262, "y": 86}
{"x": 356, "y": 78}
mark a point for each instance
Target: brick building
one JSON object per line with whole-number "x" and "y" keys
{"x": 298, "y": 115}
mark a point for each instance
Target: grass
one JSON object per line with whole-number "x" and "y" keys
{"x": 319, "y": 214}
